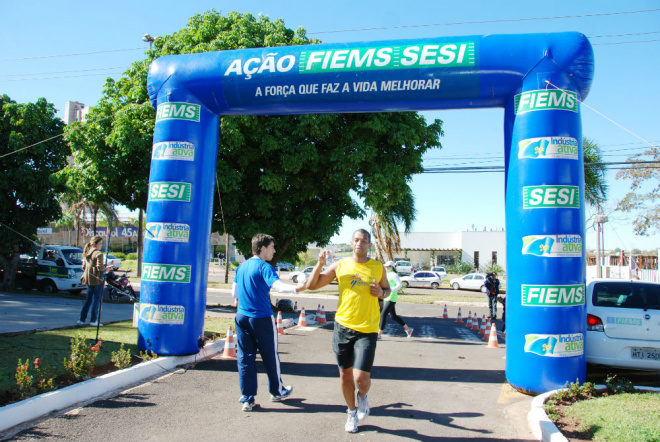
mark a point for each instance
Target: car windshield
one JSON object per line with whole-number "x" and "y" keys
{"x": 73, "y": 256}
{"x": 624, "y": 294}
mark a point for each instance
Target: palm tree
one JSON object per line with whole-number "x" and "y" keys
{"x": 384, "y": 228}
{"x": 595, "y": 186}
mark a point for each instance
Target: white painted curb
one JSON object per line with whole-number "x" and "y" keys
{"x": 104, "y": 386}
{"x": 543, "y": 428}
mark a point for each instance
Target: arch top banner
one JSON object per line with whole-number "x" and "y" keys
{"x": 394, "y": 75}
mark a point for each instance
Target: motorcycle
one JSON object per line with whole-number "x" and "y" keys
{"x": 120, "y": 286}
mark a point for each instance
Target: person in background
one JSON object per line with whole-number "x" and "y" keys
{"x": 389, "y": 305}
{"x": 492, "y": 285}
{"x": 502, "y": 300}
{"x": 362, "y": 281}
{"x": 256, "y": 329}
{"x": 93, "y": 268}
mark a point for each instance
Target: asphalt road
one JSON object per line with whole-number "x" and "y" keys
{"x": 441, "y": 385}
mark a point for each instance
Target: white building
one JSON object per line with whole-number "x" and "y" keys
{"x": 74, "y": 111}
{"x": 478, "y": 248}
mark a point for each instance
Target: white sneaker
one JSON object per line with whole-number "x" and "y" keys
{"x": 248, "y": 406}
{"x": 351, "y": 421}
{"x": 95, "y": 324}
{"x": 80, "y": 323}
{"x": 280, "y": 397}
{"x": 362, "y": 407}
{"x": 410, "y": 331}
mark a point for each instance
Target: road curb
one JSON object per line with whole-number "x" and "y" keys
{"x": 15, "y": 417}
{"x": 543, "y": 428}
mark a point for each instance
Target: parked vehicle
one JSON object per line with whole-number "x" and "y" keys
{"x": 471, "y": 281}
{"x": 403, "y": 267}
{"x": 422, "y": 279}
{"x": 288, "y": 267}
{"x": 296, "y": 276}
{"x": 120, "y": 287}
{"x": 623, "y": 323}
{"x": 440, "y": 271}
{"x": 53, "y": 268}
{"x": 113, "y": 262}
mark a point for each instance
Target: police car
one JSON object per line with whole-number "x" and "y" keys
{"x": 623, "y": 324}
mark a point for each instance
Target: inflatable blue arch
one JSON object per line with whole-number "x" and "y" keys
{"x": 539, "y": 80}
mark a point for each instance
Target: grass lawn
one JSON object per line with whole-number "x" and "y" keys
{"x": 53, "y": 346}
{"x": 618, "y": 418}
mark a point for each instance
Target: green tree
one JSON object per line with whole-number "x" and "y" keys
{"x": 384, "y": 227}
{"x": 28, "y": 189}
{"x": 595, "y": 185}
{"x": 644, "y": 197}
{"x": 289, "y": 176}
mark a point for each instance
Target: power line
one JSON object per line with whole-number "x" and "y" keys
{"x": 62, "y": 72}
{"x": 57, "y": 77}
{"x": 71, "y": 55}
{"x": 486, "y": 21}
{"x": 625, "y": 42}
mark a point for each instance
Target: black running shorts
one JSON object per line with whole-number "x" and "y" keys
{"x": 353, "y": 348}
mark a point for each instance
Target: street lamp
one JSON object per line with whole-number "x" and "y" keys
{"x": 148, "y": 38}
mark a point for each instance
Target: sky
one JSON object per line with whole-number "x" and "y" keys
{"x": 63, "y": 51}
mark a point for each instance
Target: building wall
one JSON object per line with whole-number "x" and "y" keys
{"x": 419, "y": 246}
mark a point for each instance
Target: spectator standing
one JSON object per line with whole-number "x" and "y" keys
{"x": 492, "y": 290}
{"x": 93, "y": 268}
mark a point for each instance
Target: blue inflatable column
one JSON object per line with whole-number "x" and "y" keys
{"x": 546, "y": 321}
{"x": 178, "y": 230}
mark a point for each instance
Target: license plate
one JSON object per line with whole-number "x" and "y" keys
{"x": 649, "y": 354}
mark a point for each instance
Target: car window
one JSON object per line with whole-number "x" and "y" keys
{"x": 626, "y": 295}
{"x": 469, "y": 277}
{"x": 478, "y": 277}
{"x": 111, "y": 257}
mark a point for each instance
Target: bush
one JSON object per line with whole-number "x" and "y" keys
{"x": 81, "y": 360}
{"x": 459, "y": 268}
{"x": 491, "y": 267}
{"x": 131, "y": 256}
{"x": 121, "y": 358}
{"x": 120, "y": 255}
{"x": 28, "y": 385}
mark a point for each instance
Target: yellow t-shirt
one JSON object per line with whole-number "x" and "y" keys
{"x": 357, "y": 309}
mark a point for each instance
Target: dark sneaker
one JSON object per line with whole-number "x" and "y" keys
{"x": 351, "y": 421}
{"x": 362, "y": 407}
{"x": 280, "y": 397}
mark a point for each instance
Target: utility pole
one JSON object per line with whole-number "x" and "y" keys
{"x": 599, "y": 220}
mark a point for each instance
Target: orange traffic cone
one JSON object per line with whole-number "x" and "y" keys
{"x": 469, "y": 321}
{"x": 235, "y": 302}
{"x": 295, "y": 306}
{"x": 482, "y": 329}
{"x": 280, "y": 327}
{"x": 230, "y": 345}
{"x": 475, "y": 323}
{"x": 459, "y": 320}
{"x": 445, "y": 315}
{"x": 492, "y": 340}
{"x": 486, "y": 335}
{"x": 320, "y": 315}
{"x": 302, "y": 322}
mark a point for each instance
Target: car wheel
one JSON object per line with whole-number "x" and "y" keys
{"x": 48, "y": 286}
{"x": 482, "y": 289}
{"x": 455, "y": 286}
{"x": 435, "y": 285}
{"x": 294, "y": 278}
{"x": 405, "y": 284}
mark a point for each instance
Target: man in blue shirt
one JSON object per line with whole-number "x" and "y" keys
{"x": 256, "y": 329}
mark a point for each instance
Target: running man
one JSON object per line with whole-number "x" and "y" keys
{"x": 362, "y": 281}
{"x": 256, "y": 329}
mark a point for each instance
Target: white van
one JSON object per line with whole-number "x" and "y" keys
{"x": 403, "y": 268}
